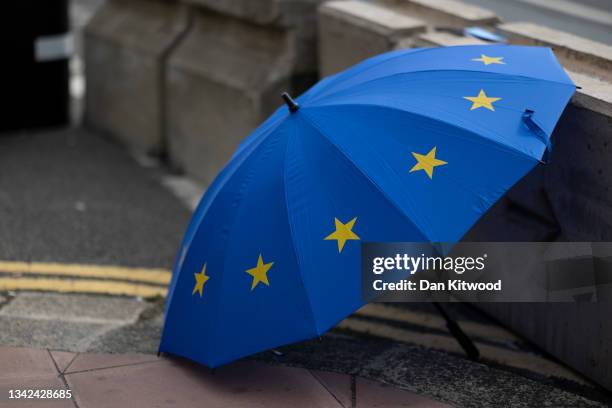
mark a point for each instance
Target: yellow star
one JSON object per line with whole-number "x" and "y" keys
{"x": 481, "y": 100}
{"x": 201, "y": 279}
{"x": 427, "y": 162}
{"x": 489, "y": 60}
{"x": 259, "y": 272}
{"x": 343, "y": 233}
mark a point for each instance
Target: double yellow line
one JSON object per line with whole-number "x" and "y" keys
{"x": 78, "y": 278}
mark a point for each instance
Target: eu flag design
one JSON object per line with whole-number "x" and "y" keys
{"x": 412, "y": 145}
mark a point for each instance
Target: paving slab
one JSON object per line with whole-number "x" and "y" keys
{"x": 40, "y": 383}
{"x": 94, "y": 361}
{"x": 339, "y": 385}
{"x": 19, "y": 363}
{"x": 62, "y": 359}
{"x": 183, "y": 384}
{"x": 75, "y": 308}
{"x": 57, "y": 335}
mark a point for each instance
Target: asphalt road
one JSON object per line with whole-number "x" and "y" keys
{"x": 69, "y": 196}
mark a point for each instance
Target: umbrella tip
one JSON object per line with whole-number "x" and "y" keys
{"x": 291, "y": 104}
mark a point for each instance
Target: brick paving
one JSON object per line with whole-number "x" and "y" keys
{"x": 140, "y": 380}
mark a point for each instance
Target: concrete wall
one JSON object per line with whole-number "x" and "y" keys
{"x": 223, "y": 80}
{"x": 189, "y": 79}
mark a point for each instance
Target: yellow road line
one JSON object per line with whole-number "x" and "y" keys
{"x": 82, "y": 286}
{"x": 149, "y": 275}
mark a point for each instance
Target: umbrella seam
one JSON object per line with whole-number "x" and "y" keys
{"x": 502, "y": 146}
{"x": 407, "y": 51}
{"x": 499, "y": 105}
{"x": 176, "y": 272}
{"x": 320, "y": 96}
{"x": 262, "y": 148}
{"x": 368, "y": 178}
{"x": 291, "y": 235}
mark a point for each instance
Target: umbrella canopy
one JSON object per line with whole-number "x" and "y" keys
{"x": 412, "y": 145}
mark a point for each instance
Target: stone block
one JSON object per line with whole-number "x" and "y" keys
{"x": 286, "y": 13}
{"x": 297, "y": 16}
{"x": 575, "y": 53}
{"x": 593, "y": 94}
{"x": 554, "y": 327}
{"x": 223, "y": 80}
{"x": 126, "y": 43}
{"x": 351, "y": 31}
{"x": 448, "y": 13}
{"x": 579, "y": 179}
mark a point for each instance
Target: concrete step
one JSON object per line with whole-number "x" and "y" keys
{"x": 351, "y": 31}
{"x": 575, "y": 53}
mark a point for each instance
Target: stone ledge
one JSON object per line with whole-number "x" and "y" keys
{"x": 263, "y": 54}
{"x": 222, "y": 81}
{"x": 145, "y": 25}
{"x": 296, "y": 17}
{"x": 285, "y": 13}
{"x": 443, "y": 39}
{"x": 351, "y": 31}
{"x": 381, "y": 20}
{"x": 576, "y": 53}
{"x": 261, "y": 12}
{"x": 595, "y": 95}
{"x": 445, "y": 12}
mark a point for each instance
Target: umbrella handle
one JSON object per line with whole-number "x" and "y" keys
{"x": 291, "y": 104}
{"x": 539, "y": 132}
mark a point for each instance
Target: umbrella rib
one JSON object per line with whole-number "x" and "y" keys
{"x": 502, "y": 146}
{"x": 369, "y": 179}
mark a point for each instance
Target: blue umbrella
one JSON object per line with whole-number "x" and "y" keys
{"x": 411, "y": 145}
